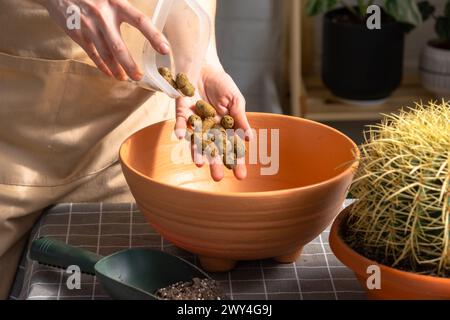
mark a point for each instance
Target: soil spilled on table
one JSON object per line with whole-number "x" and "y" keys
{"x": 197, "y": 289}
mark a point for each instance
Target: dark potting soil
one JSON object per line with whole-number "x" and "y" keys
{"x": 372, "y": 254}
{"x": 440, "y": 44}
{"x": 197, "y": 289}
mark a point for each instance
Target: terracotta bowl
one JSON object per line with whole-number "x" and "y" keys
{"x": 394, "y": 284}
{"x": 263, "y": 216}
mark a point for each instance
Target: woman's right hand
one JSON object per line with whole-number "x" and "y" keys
{"x": 99, "y": 33}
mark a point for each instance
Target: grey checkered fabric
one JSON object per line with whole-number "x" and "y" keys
{"x": 107, "y": 228}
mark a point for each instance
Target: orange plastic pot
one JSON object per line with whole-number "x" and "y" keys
{"x": 394, "y": 284}
{"x": 263, "y": 216}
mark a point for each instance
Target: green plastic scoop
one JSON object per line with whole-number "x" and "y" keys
{"x": 128, "y": 274}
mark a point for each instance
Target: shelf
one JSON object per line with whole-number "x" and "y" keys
{"x": 321, "y": 105}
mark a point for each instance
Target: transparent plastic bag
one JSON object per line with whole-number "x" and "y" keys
{"x": 187, "y": 27}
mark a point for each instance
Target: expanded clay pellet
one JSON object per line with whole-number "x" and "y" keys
{"x": 207, "y": 124}
{"x": 167, "y": 75}
{"x": 188, "y": 91}
{"x": 194, "y": 121}
{"x": 218, "y": 135}
{"x": 180, "y": 83}
{"x": 227, "y": 122}
{"x": 205, "y": 110}
{"x": 165, "y": 72}
{"x": 209, "y": 148}
{"x": 184, "y": 85}
{"x": 214, "y": 137}
{"x": 182, "y": 80}
{"x": 239, "y": 146}
{"x": 229, "y": 160}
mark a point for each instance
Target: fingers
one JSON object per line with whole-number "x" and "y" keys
{"x": 215, "y": 163}
{"x": 180, "y": 127}
{"x": 197, "y": 156}
{"x": 100, "y": 36}
{"x": 237, "y": 111}
{"x": 109, "y": 21}
{"x": 120, "y": 51}
{"x": 240, "y": 171}
{"x": 216, "y": 168}
{"x": 140, "y": 21}
{"x": 184, "y": 110}
{"x": 222, "y": 106}
{"x": 236, "y": 107}
{"x": 85, "y": 41}
{"x": 92, "y": 52}
{"x": 94, "y": 38}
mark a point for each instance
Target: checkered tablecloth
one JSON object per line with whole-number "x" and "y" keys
{"x": 106, "y": 228}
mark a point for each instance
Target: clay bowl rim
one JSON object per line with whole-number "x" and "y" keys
{"x": 353, "y": 167}
{"x": 351, "y": 258}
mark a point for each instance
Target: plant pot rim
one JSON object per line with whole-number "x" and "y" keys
{"x": 358, "y": 263}
{"x": 242, "y": 195}
{"x": 431, "y": 46}
{"x": 329, "y": 14}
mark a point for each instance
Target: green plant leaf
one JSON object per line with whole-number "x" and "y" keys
{"x": 362, "y": 8}
{"x": 406, "y": 11}
{"x": 426, "y": 9}
{"x": 443, "y": 28}
{"x": 314, "y": 7}
{"x": 447, "y": 10}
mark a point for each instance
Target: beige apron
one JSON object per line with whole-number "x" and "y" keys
{"x": 61, "y": 124}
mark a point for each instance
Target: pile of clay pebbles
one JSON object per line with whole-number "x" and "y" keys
{"x": 197, "y": 289}
{"x": 214, "y": 138}
{"x": 180, "y": 82}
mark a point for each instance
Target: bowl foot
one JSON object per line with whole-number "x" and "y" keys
{"x": 216, "y": 264}
{"x": 290, "y": 257}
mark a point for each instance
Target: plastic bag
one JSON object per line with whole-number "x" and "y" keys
{"x": 187, "y": 27}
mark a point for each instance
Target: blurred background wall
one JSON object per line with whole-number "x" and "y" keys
{"x": 249, "y": 43}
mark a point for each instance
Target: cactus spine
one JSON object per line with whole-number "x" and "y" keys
{"x": 402, "y": 217}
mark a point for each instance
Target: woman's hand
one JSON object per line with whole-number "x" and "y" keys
{"x": 219, "y": 89}
{"x": 99, "y": 33}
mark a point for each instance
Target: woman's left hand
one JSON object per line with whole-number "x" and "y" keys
{"x": 219, "y": 89}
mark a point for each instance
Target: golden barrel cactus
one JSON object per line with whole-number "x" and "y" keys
{"x": 402, "y": 215}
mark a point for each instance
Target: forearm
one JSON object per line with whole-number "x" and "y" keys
{"x": 212, "y": 57}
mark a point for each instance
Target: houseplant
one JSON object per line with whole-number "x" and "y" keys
{"x": 361, "y": 64}
{"x": 435, "y": 58}
{"x": 401, "y": 220}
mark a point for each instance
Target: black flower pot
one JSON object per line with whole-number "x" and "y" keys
{"x": 358, "y": 63}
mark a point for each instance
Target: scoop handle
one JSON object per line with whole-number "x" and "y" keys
{"x": 59, "y": 254}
